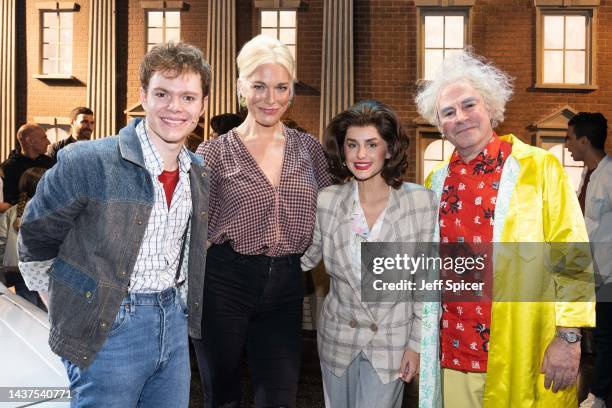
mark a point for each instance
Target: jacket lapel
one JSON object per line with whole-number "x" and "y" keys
{"x": 342, "y": 240}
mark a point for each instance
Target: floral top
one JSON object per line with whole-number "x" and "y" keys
{"x": 467, "y": 211}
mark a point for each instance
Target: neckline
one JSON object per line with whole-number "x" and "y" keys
{"x": 254, "y": 163}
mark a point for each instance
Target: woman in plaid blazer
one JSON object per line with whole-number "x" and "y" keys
{"x": 367, "y": 349}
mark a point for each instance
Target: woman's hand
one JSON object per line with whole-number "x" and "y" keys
{"x": 409, "y": 367}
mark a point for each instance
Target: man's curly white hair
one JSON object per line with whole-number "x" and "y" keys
{"x": 494, "y": 86}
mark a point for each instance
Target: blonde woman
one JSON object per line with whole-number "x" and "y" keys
{"x": 264, "y": 183}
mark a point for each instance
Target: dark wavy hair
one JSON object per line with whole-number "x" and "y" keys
{"x": 27, "y": 188}
{"x": 386, "y": 122}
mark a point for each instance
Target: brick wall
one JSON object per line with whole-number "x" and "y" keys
{"x": 384, "y": 59}
{"x": 193, "y": 30}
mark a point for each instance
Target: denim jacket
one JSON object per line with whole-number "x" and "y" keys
{"x": 89, "y": 215}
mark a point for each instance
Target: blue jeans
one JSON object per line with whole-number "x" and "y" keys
{"x": 144, "y": 361}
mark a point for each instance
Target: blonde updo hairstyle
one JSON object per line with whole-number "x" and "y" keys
{"x": 260, "y": 50}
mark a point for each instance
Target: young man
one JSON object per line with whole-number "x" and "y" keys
{"x": 586, "y": 139}
{"x": 81, "y": 127}
{"x": 117, "y": 231}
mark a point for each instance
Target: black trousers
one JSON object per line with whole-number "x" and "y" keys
{"x": 602, "y": 335}
{"x": 253, "y": 302}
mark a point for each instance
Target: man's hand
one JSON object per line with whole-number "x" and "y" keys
{"x": 409, "y": 366}
{"x": 560, "y": 364}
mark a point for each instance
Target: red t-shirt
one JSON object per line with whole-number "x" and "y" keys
{"x": 467, "y": 211}
{"x": 169, "y": 179}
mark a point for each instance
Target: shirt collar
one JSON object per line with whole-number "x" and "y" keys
{"x": 487, "y": 156}
{"x": 152, "y": 159}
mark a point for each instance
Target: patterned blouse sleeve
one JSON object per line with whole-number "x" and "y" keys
{"x": 319, "y": 161}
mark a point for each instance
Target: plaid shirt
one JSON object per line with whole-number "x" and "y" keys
{"x": 246, "y": 210}
{"x": 160, "y": 251}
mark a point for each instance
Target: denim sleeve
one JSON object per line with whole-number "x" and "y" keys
{"x": 49, "y": 216}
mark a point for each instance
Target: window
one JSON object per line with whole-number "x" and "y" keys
{"x": 56, "y": 128}
{"x": 163, "y": 26}
{"x": 550, "y": 134}
{"x": 565, "y": 52}
{"x": 56, "y": 42}
{"x": 55, "y": 134}
{"x": 432, "y": 150}
{"x": 443, "y": 35}
{"x": 565, "y": 44}
{"x": 442, "y": 31}
{"x": 280, "y": 24}
{"x": 573, "y": 168}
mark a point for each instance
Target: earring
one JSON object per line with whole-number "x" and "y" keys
{"x": 343, "y": 164}
{"x": 291, "y": 102}
{"x": 242, "y": 101}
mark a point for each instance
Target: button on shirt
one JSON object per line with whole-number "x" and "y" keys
{"x": 467, "y": 211}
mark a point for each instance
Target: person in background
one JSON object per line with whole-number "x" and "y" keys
{"x": 367, "y": 348}
{"x": 81, "y": 128}
{"x": 586, "y": 140}
{"x": 498, "y": 189}
{"x": 29, "y": 152}
{"x": 264, "y": 183}
{"x": 9, "y": 228}
{"x": 221, "y": 124}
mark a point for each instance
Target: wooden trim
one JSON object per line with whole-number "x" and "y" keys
{"x": 52, "y": 120}
{"x": 277, "y": 4}
{"x": 566, "y": 86}
{"x": 163, "y": 5}
{"x": 54, "y": 77}
{"x": 591, "y": 14}
{"x": 56, "y": 5}
{"x": 444, "y": 3}
{"x": 566, "y": 3}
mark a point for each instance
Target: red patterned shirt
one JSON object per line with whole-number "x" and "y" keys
{"x": 254, "y": 216}
{"x": 467, "y": 211}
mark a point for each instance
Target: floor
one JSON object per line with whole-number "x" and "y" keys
{"x": 310, "y": 389}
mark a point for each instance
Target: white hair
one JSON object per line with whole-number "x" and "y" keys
{"x": 494, "y": 86}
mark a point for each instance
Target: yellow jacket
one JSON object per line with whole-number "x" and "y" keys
{"x": 535, "y": 204}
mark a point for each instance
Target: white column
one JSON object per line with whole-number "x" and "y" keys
{"x": 221, "y": 54}
{"x": 337, "y": 61}
{"x": 101, "y": 82}
{"x": 7, "y": 77}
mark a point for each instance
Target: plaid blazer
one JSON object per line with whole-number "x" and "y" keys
{"x": 347, "y": 326}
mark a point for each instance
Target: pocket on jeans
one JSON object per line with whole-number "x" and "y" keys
{"x": 121, "y": 319}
